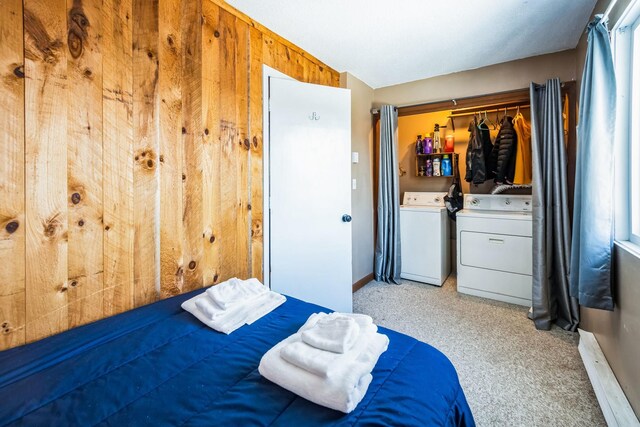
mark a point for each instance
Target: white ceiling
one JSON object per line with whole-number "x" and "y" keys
{"x": 389, "y": 42}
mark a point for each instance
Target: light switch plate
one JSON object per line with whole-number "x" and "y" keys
{"x": 354, "y": 157}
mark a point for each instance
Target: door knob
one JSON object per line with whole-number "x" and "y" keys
{"x": 346, "y": 218}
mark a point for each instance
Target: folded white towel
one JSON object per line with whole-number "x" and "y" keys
{"x": 235, "y": 291}
{"x": 229, "y": 320}
{"x": 342, "y": 391}
{"x": 367, "y": 348}
{"x": 335, "y": 332}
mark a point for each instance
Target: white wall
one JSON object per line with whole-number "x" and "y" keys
{"x": 362, "y": 197}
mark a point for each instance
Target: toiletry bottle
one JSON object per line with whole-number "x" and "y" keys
{"x": 449, "y": 143}
{"x": 437, "y": 147}
{"x": 446, "y": 165}
{"x": 419, "y": 149}
{"x": 436, "y": 166}
{"x": 428, "y": 145}
{"x": 429, "y": 168}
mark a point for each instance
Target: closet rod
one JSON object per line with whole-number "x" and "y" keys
{"x": 481, "y": 111}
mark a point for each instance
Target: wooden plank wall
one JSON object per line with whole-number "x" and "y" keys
{"x": 131, "y": 144}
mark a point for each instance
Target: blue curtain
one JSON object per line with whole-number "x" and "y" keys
{"x": 551, "y": 302}
{"x": 592, "y": 242}
{"x": 387, "y": 256}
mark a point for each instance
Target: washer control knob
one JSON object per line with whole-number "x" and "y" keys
{"x": 474, "y": 202}
{"x": 507, "y": 202}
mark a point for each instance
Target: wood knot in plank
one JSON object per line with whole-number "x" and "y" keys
{"x": 216, "y": 33}
{"x": 145, "y": 158}
{"x": 212, "y": 239}
{"x": 255, "y": 142}
{"x": 256, "y": 228}
{"x": 78, "y": 29}
{"x": 247, "y": 144}
{"x": 52, "y": 226}
{"x": 215, "y": 278}
{"x": 38, "y": 43}
{"x": 192, "y": 265}
{"x": 184, "y": 130}
{"x": 107, "y": 228}
{"x": 75, "y": 198}
{"x": 73, "y": 283}
{"x": 88, "y": 73}
{"x": 81, "y": 223}
{"x": 12, "y": 226}
{"x": 206, "y": 131}
{"x": 19, "y": 71}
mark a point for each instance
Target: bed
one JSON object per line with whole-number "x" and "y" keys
{"x": 158, "y": 365}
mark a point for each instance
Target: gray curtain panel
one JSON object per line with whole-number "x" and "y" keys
{"x": 593, "y": 203}
{"x": 551, "y": 232}
{"x": 387, "y": 257}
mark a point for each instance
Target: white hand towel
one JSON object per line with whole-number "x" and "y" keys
{"x": 227, "y": 321}
{"x": 336, "y": 333}
{"x": 235, "y": 291}
{"x": 342, "y": 391}
{"x": 327, "y": 363}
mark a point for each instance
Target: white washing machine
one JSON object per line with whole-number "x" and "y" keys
{"x": 495, "y": 247}
{"x": 424, "y": 234}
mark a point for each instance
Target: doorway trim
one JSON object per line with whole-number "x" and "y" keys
{"x": 267, "y": 73}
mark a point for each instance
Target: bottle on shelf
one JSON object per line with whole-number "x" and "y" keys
{"x": 449, "y": 143}
{"x": 436, "y": 166}
{"x": 446, "y": 166}
{"x": 419, "y": 149}
{"x": 428, "y": 145}
{"x": 437, "y": 147}
{"x": 429, "y": 171}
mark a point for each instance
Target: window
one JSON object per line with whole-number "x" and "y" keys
{"x": 627, "y": 62}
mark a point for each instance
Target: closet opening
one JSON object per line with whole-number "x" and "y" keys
{"x": 453, "y": 117}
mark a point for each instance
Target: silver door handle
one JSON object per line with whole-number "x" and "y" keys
{"x": 496, "y": 241}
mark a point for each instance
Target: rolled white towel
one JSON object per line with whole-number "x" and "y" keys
{"x": 235, "y": 291}
{"x": 335, "y": 332}
{"x": 229, "y": 320}
{"x": 327, "y": 363}
{"x": 342, "y": 391}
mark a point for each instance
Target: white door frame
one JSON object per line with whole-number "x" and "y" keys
{"x": 267, "y": 72}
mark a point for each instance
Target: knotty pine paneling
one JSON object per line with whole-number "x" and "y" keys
{"x": 12, "y": 217}
{"x": 132, "y": 154}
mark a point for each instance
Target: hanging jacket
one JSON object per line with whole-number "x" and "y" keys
{"x": 454, "y": 200}
{"x": 523, "y": 172}
{"x": 479, "y": 144}
{"x": 503, "y": 155}
{"x": 487, "y": 148}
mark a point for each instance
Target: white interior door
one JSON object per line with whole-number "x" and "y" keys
{"x": 310, "y": 192}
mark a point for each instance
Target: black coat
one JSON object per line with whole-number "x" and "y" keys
{"x": 478, "y": 151}
{"x": 503, "y": 156}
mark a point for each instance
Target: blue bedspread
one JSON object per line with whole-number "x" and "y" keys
{"x": 157, "y": 365}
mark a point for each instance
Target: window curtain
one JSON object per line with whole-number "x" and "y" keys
{"x": 551, "y": 301}
{"x": 387, "y": 257}
{"x": 593, "y": 208}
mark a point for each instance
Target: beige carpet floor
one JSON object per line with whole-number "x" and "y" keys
{"x": 512, "y": 374}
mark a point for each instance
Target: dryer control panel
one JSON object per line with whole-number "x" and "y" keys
{"x": 498, "y": 202}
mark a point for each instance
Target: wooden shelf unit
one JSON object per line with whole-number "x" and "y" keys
{"x": 421, "y": 160}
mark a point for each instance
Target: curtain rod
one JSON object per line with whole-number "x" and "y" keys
{"x": 375, "y": 111}
{"x": 608, "y": 10}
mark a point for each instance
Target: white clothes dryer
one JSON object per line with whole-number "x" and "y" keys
{"x": 495, "y": 247}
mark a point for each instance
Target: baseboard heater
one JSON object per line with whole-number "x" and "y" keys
{"x": 613, "y": 402}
